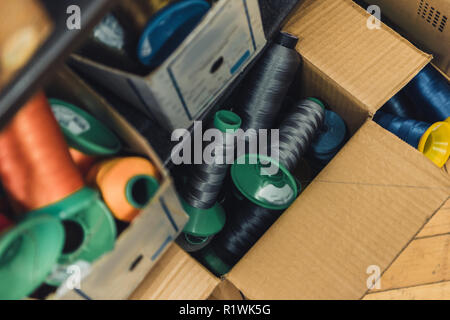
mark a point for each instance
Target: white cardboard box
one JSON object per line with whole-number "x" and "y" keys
{"x": 185, "y": 86}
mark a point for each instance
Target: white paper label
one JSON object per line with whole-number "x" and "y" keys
{"x": 70, "y": 120}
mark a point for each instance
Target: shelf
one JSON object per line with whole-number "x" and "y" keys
{"x": 52, "y": 54}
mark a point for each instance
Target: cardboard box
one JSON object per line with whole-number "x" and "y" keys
{"x": 372, "y": 199}
{"x": 176, "y": 277}
{"x": 425, "y": 22}
{"x": 22, "y": 32}
{"x": 117, "y": 274}
{"x": 185, "y": 86}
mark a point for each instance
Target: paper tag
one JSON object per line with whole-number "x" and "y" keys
{"x": 70, "y": 120}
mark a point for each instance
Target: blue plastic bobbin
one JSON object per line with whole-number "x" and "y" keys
{"x": 168, "y": 28}
{"x": 331, "y": 138}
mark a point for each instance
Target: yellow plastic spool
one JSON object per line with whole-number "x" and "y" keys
{"x": 435, "y": 143}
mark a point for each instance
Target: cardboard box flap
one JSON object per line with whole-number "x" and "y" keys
{"x": 176, "y": 276}
{"x": 425, "y": 22}
{"x": 355, "y": 218}
{"x": 371, "y": 64}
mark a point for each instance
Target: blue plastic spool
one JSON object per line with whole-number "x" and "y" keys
{"x": 168, "y": 28}
{"x": 331, "y": 138}
{"x": 410, "y": 131}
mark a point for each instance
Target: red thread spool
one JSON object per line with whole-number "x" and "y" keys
{"x": 4, "y": 223}
{"x": 5, "y": 209}
{"x": 83, "y": 161}
{"x": 35, "y": 164}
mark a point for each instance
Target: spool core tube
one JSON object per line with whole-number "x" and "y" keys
{"x": 140, "y": 190}
{"x": 435, "y": 143}
{"x": 193, "y": 244}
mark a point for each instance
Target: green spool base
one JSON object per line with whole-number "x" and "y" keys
{"x": 204, "y": 222}
{"x": 209, "y": 258}
{"x": 264, "y": 181}
{"x": 85, "y": 210}
{"x": 83, "y": 132}
{"x": 193, "y": 244}
{"x": 320, "y": 103}
{"x": 28, "y": 253}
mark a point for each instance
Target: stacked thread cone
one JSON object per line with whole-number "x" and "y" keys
{"x": 35, "y": 164}
{"x": 126, "y": 185}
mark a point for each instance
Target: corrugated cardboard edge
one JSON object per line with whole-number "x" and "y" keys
{"x": 307, "y": 252}
{"x": 316, "y": 83}
{"x": 226, "y": 291}
{"x": 420, "y": 21}
{"x": 441, "y": 72}
{"x": 333, "y": 32}
{"x": 176, "y": 276}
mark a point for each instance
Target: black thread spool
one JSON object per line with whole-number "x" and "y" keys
{"x": 253, "y": 213}
{"x": 262, "y": 94}
{"x": 201, "y": 191}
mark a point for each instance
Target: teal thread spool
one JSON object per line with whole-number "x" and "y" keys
{"x": 330, "y": 139}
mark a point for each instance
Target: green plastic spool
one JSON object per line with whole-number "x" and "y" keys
{"x": 84, "y": 214}
{"x": 227, "y": 121}
{"x": 204, "y": 222}
{"x": 83, "y": 132}
{"x": 208, "y": 222}
{"x": 320, "y": 103}
{"x": 140, "y": 190}
{"x": 275, "y": 190}
{"x": 28, "y": 253}
{"x": 213, "y": 262}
